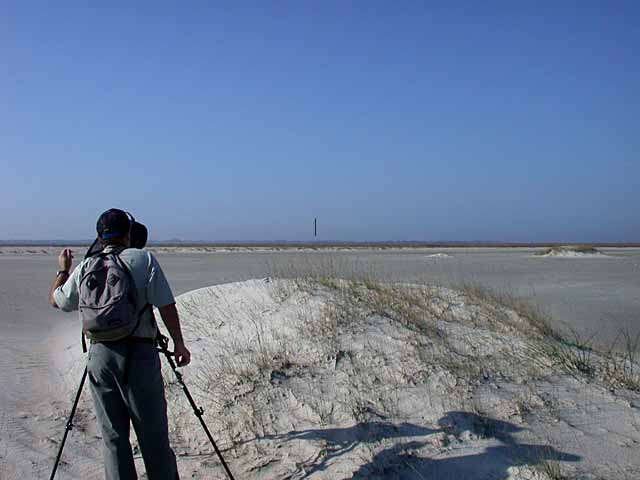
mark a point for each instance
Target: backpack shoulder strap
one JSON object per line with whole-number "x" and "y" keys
{"x": 94, "y": 249}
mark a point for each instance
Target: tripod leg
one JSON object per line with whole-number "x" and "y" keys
{"x": 69, "y": 423}
{"x": 197, "y": 410}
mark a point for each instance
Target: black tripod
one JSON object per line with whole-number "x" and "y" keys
{"x": 163, "y": 343}
{"x": 69, "y": 423}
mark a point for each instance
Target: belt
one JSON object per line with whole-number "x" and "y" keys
{"x": 127, "y": 340}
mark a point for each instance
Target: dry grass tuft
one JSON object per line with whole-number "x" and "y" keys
{"x": 622, "y": 370}
{"x": 576, "y": 356}
{"x": 534, "y": 316}
{"x": 551, "y": 469}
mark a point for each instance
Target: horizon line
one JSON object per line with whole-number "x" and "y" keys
{"x": 324, "y": 243}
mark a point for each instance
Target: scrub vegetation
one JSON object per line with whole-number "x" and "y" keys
{"x": 568, "y": 250}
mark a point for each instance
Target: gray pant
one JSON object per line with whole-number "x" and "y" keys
{"x": 139, "y": 401}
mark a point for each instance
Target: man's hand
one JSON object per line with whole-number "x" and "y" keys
{"x": 64, "y": 265}
{"x": 65, "y": 259}
{"x": 170, "y": 318}
{"x": 182, "y": 355}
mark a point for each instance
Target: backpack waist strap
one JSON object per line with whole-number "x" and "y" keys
{"x": 127, "y": 340}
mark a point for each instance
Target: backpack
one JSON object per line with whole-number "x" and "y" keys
{"x": 108, "y": 299}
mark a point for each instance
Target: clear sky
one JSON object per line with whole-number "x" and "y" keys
{"x": 387, "y": 120}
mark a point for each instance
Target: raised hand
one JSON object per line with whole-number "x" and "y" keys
{"x": 65, "y": 259}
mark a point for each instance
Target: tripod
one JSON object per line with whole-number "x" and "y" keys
{"x": 69, "y": 423}
{"x": 163, "y": 343}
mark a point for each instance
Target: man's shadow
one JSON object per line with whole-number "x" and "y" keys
{"x": 339, "y": 441}
{"x": 401, "y": 461}
{"x": 478, "y": 462}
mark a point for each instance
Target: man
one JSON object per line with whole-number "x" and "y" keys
{"x": 124, "y": 375}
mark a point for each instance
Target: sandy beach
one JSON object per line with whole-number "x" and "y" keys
{"x": 366, "y": 401}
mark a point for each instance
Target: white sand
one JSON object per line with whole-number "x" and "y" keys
{"x": 298, "y": 381}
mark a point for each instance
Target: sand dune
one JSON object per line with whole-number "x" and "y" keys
{"x": 571, "y": 251}
{"x": 328, "y": 380}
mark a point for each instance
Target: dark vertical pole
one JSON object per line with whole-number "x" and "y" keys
{"x": 315, "y": 227}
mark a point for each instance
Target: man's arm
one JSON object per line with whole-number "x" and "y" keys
{"x": 169, "y": 315}
{"x": 64, "y": 264}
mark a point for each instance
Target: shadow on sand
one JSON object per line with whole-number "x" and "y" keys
{"x": 400, "y": 461}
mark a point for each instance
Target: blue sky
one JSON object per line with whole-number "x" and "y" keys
{"x": 513, "y": 121}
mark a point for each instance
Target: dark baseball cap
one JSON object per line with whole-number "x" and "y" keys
{"x": 112, "y": 224}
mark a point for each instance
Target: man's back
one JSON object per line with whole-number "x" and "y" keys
{"x": 151, "y": 286}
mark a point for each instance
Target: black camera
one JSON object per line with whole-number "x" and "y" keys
{"x": 138, "y": 235}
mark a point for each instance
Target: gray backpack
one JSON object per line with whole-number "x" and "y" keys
{"x": 108, "y": 299}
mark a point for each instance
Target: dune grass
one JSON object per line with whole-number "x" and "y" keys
{"x": 534, "y": 316}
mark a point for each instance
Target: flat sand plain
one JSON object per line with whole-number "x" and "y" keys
{"x": 598, "y": 295}
{"x": 595, "y": 296}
